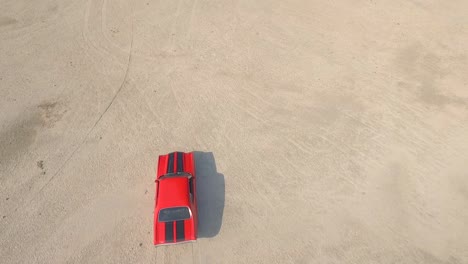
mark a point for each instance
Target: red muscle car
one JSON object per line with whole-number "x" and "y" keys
{"x": 175, "y": 212}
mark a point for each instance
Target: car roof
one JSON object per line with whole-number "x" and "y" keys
{"x": 173, "y": 192}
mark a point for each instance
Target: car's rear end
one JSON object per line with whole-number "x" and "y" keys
{"x": 174, "y": 225}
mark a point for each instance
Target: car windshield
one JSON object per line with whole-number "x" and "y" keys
{"x": 174, "y": 214}
{"x": 175, "y": 175}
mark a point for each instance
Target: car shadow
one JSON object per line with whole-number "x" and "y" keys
{"x": 210, "y": 194}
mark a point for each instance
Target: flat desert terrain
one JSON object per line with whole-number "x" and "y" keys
{"x": 323, "y": 131}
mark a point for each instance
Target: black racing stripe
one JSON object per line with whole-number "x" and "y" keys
{"x": 180, "y": 162}
{"x": 180, "y": 230}
{"x": 170, "y": 163}
{"x": 169, "y": 232}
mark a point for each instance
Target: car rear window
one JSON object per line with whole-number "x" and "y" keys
{"x": 174, "y": 214}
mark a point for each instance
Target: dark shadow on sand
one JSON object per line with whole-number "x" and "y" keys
{"x": 210, "y": 192}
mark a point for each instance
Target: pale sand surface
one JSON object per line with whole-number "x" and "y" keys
{"x": 328, "y": 131}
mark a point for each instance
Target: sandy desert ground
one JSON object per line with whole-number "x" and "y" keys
{"x": 325, "y": 131}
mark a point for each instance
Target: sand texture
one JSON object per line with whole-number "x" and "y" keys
{"x": 324, "y": 131}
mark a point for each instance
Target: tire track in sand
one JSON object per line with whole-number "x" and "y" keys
{"x": 122, "y": 85}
